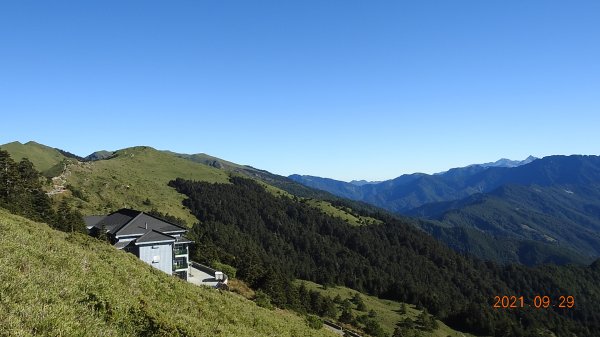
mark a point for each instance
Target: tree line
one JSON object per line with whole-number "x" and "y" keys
{"x": 22, "y": 193}
{"x": 272, "y": 240}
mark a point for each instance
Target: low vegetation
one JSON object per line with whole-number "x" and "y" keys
{"x": 344, "y": 213}
{"x": 136, "y": 178}
{"x": 390, "y": 315}
{"x": 59, "y": 284}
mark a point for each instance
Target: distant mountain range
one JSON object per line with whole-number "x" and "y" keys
{"x": 553, "y": 200}
{"x": 410, "y": 190}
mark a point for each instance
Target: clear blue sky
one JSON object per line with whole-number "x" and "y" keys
{"x": 341, "y": 89}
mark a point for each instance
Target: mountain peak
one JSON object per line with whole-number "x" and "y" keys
{"x": 363, "y": 182}
{"x": 504, "y": 162}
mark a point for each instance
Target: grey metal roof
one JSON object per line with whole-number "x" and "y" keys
{"x": 154, "y": 236}
{"x": 92, "y": 220}
{"x": 128, "y": 222}
{"x": 114, "y": 221}
{"x": 144, "y": 222}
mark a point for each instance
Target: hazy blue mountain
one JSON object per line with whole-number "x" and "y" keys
{"x": 363, "y": 182}
{"x": 509, "y": 163}
{"x": 554, "y": 201}
{"x": 407, "y": 192}
{"x": 340, "y": 188}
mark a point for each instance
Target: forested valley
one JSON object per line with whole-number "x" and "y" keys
{"x": 274, "y": 239}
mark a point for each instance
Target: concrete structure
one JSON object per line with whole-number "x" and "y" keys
{"x": 205, "y": 276}
{"x": 157, "y": 242}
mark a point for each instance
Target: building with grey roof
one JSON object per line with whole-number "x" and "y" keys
{"x": 155, "y": 241}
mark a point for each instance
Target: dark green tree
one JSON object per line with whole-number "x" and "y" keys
{"x": 346, "y": 316}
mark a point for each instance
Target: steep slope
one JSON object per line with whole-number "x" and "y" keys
{"x": 44, "y": 158}
{"x": 324, "y": 201}
{"x": 136, "y": 178}
{"x": 565, "y": 215}
{"x": 271, "y": 240}
{"x": 59, "y": 284}
{"x": 388, "y": 313}
{"x": 281, "y": 182}
{"x": 502, "y": 249}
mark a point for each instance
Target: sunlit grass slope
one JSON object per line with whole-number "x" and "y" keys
{"x": 387, "y": 312}
{"x": 137, "y": 178}
{"x": 58, "y": 284}
{"x": 42, "y": 156}
{"x": 343, "y": 213}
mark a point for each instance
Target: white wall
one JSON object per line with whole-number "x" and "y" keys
{"x": 164, "y": 252}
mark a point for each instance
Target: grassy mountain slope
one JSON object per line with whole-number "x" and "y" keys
{"x": 387, "y": 312}
{"x": 137, "y": 178}
{"x": 60, "y": 284}
{"x": 43, "y": 157}
{"x": 281, "y": 182}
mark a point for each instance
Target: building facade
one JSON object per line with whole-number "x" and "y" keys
{"x": 155, "y": 241}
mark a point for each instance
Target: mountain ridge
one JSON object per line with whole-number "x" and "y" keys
{"x": 97, "y": 187}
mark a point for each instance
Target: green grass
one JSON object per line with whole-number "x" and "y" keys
{"x": 141, "y": 173}
{"x": 387, "y": 312}
{"x": 59, "y": 284}
{"x": 343, "y": 213}
{"x": 134, "y": 176}
{"x": 43, "y": 157}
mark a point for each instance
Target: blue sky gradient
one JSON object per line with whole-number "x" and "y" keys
{"x": 341, "y": 89}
